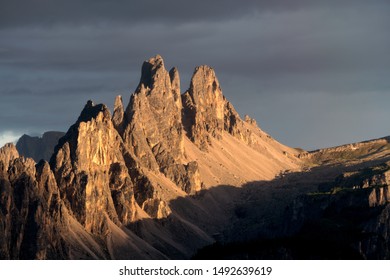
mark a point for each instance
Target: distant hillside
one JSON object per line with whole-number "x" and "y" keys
{"x": 38, "y": 148}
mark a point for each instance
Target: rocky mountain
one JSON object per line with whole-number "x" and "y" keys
{"x": 162, "y": 177}
{"x": 38, "y": 148}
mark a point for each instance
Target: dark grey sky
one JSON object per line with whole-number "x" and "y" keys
{"x": 312, "y": 73}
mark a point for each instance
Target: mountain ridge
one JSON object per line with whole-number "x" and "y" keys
{"x": 160, "y": 178}
{"x": 109, "y": 171}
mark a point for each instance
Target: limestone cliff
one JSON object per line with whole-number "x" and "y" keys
{"x": 34, "y": 222}
{"x": 204, "y": 107}
{"x": 153, "y": 128}
{"x": 118, "y": 115}
{"x": 91, "y": 171}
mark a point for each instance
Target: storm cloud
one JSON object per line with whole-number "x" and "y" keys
{"x": 313, "y": 73}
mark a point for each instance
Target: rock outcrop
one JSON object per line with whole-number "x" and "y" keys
{"x": 207, "y": 114}
{"x": 34, "y": 222}
{"x": 153, "y": 129}
{"x": 118, "y": 115}
{"x": 38, "y": 148}
{"x": 204, "y": 107}
{"x": 91, "y": 171}
{"x": 7, "y": 154}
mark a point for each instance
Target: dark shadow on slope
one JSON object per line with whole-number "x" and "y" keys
{"x": 191, "y": 225}
{"x": 255, "y": 222}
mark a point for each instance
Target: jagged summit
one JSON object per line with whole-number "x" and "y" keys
{"x": 121, "y": 186}
{"x": 91, "y": 111}
{"x": 118, "y": 115}
{"x": 175, "y": 83}
{"x": 153, "y": 73}
{"x": 204, "y": 107}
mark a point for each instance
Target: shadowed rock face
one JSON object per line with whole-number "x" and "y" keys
{"x": 38, "y": 147}
{"x": 352, "y": 211}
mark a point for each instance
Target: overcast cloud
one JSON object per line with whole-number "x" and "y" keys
{"x": 313, "y": 73}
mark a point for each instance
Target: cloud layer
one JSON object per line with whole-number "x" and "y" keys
{"x": 312, "y": 74}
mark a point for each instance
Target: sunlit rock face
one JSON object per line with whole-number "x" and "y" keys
{"x": 153, "y": 129}
{"x": 204, "y": 107}
{"x": 207, "y": 113}
{"x": 91, "y": 171}
{"x": 118, "y": 115}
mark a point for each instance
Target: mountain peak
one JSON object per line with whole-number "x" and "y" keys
{"x": 205, "y": 74}
{"x": 156, "y": 60}
{"x": 91, "y": 111}
{"x": 153, "y": 70}
{"x": 204, "y": 107}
